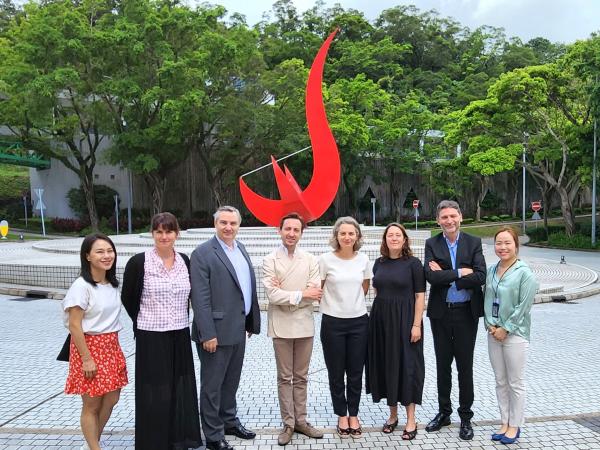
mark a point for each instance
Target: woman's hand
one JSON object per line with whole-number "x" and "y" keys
{"x": 89, "y": 368}
{"x": 415, "y": 334}
{"x": 500, "y": 333}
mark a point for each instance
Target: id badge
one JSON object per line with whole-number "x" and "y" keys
{"x": 495, "y": 308}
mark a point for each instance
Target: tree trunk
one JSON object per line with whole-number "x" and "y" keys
{"x": 567, "y": 210}
{"x": 483, "y": 184}
{"x": 396, "y": 209}
{"x": 86, "y": 177}
{"x": 545, "y": 209}
{"x": 157, "y": 184}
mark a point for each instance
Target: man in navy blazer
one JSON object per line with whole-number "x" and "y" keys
{"x": 226, "y": 309}
{"x": 455, "y": 269}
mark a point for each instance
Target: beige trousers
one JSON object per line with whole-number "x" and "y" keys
{"x": 293, "y": 358}
{"x": 508, "y": 361}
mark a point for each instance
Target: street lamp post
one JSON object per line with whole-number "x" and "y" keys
{"x": 594, "y": 186}
{"x": 525, "y": 141}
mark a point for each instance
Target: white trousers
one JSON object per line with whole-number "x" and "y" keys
{"x": 508, "y": 361}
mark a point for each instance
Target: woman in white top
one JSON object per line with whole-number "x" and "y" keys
{"x": 97, "y": 369}
{"x": 345, "y": 278}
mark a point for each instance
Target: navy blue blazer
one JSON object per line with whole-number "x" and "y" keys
{"x": 469, "y": 253}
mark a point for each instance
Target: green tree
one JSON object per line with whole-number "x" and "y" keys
{"x": 50, "y": 78}
{"x": 538, "y": 108}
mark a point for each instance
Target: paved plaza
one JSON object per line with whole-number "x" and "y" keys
{"x": 563, "y": 408}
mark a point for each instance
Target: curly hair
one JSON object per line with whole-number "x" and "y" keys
{"x": 333, "y": 241}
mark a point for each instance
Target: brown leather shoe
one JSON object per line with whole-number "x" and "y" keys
{"x": 308, "y": 430}
{"x": 285, "y": 436}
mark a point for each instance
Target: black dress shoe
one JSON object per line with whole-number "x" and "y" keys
{"x": 439, "y": 421}
{"x": 218, "y": 445}
{"x": 241, "y": 432}
{"x": 466, "y": 430}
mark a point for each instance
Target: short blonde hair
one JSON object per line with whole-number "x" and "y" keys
{"x": 333, "y": 241}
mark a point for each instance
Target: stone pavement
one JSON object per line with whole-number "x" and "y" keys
{"x": 563, "y": 408}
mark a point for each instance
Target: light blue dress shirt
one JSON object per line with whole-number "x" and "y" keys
{"x": 242, "y": 271}
{"x": 455, "y": 295}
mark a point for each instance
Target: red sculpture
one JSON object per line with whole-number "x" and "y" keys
{"x": 320, "y": 192}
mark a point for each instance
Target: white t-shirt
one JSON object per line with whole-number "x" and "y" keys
{"x": 101, "y": 305}
{"x": 343, "y": 294}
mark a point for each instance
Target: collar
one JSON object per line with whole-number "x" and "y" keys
{"x": 225, "y": 246}
{"x": 452, "y": 244}
{"x": 282, "y": 248}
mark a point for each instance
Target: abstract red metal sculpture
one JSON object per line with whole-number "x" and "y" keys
{"x": 313, "y": 201}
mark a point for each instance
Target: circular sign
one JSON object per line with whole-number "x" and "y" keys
{"x": 536, "y": 206}
{"x": 415, "y": 204}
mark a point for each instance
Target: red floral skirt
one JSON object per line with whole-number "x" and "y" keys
{"x": 110, "y": 362}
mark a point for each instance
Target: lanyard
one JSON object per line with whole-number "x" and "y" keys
{"x": 496, "y": 299}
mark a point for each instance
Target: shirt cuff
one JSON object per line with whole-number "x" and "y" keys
{"x": 458, "y": 271}
{"x": 295, "y": 298}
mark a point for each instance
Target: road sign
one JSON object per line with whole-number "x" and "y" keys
{"x": 415, "y": 204}
{"x": 536, "y": 206}
{"x": 39, "y": 204}
{"x": 536, "y": 216}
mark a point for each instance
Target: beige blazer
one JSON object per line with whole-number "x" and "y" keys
{"x": 285, "y": 318}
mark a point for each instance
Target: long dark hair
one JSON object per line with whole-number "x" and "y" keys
{"x": 86, "y": 248}
{"x": 405, "y": 251}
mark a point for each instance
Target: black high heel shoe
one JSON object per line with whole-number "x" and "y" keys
{"x": 410, "y": 435}
{"x": 389, "y": 428}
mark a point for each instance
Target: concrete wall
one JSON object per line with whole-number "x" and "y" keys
{"x": 58, "y": 180}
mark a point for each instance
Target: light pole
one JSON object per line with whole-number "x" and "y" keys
{"x": 594, "y": 187}
{"x": 525, "y": 141}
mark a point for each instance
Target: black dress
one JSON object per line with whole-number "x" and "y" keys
{"x": 395, "y": 367}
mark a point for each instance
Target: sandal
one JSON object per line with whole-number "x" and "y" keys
{"x": 409, "y": 435}
{"x": 342, "y": 432}
{"x": 356, "y": 433}
{"x": 389, "y": 427}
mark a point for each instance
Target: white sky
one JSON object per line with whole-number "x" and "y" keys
{"x": 557, "y": 20}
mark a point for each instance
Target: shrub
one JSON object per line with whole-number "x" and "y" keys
{"x": 575, "y": 241}
{"x": 105, "y": 201}
{"x": 68, "y": 225}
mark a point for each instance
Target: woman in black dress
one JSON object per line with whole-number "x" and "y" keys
{"x": 396, "y": 366}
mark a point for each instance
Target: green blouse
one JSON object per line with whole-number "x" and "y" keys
{"x": 515, "y": 292}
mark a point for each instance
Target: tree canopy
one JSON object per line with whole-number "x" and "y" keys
{"x": 167, "y": 81}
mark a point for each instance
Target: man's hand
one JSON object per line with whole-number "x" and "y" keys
{"x": 464, "y": 271}
{"x": 312, "y": 293}
{"x": 210, "y": 346}
{"x": 275, "y": 283}
{"x": 434, "y": 266}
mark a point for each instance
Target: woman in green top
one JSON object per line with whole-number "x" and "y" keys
{"x": 509, "y": 292}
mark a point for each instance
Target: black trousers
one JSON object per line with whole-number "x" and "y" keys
{"x": 454, "y": 338}
{"x": 345, "y": 352}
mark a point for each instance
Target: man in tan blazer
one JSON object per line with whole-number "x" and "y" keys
{"x": 292, "y": 284}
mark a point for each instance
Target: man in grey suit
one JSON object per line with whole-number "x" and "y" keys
{"x": 225, "y": 309}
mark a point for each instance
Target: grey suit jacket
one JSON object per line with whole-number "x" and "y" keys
{"x": 217, "y": 298}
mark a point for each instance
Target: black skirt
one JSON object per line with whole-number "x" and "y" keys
{"x": 166, "y": 397}
{"x": 395, "y": 367}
